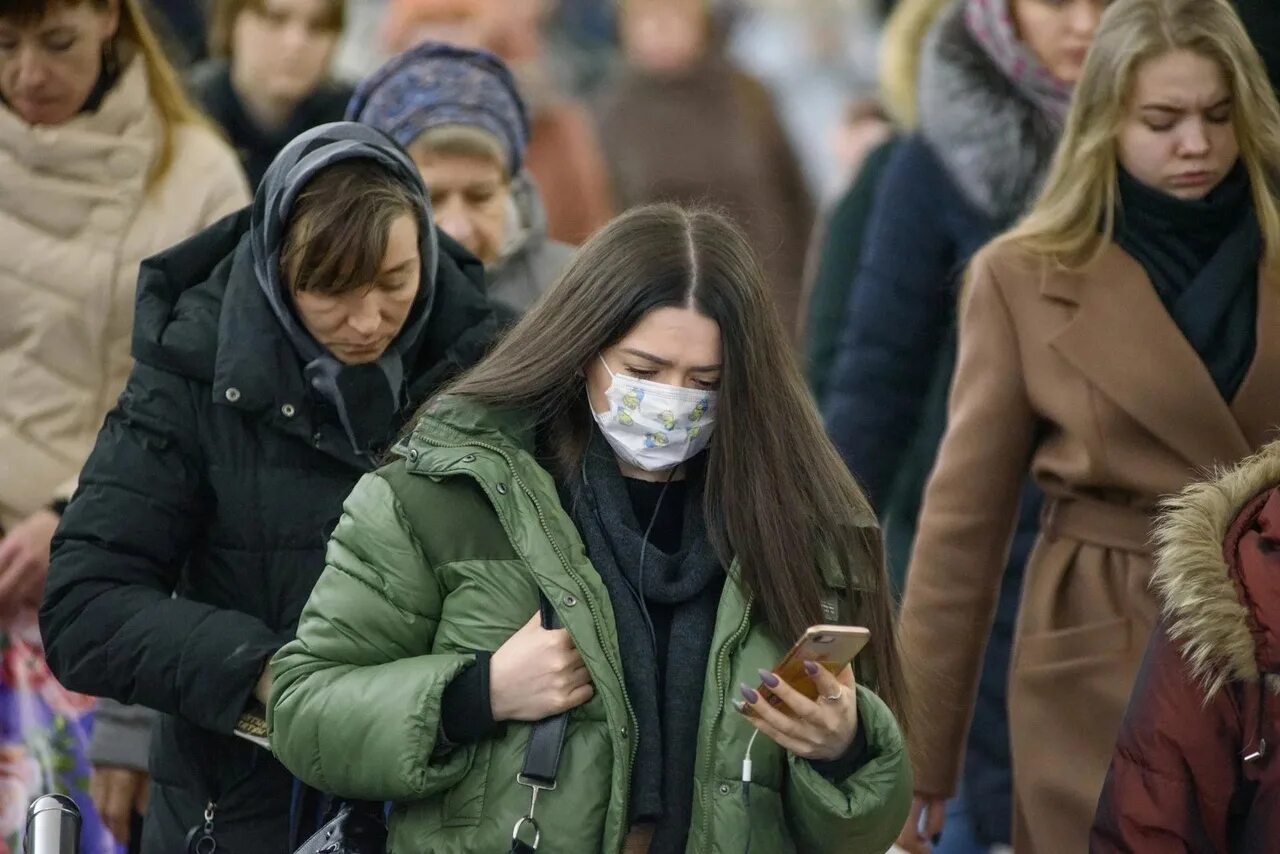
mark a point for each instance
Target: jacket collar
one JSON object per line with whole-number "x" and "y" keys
{"x": 462, "y": 421}
{"x": 1201, "y": 601}
{"x": 1118, "y": 327}
{"x": 993, "y": 142}
{"x": 459, "y": 422}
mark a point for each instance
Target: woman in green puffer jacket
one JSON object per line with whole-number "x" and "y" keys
{"x": 641, "y": 453}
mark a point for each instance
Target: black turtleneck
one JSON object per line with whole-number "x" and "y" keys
{"x": 1202, "y": 258}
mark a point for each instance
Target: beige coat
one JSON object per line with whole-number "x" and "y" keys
{"x": 76, "y": 219}
{"x": 1085, "y": 377}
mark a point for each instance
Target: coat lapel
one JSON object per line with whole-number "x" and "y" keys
{"x": 1122, "y": 339}
{"x": 1256, "y": 404}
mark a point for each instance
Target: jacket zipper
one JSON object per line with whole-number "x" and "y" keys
{"x": 615, "y": 666}
{"x": 722, "y": 663}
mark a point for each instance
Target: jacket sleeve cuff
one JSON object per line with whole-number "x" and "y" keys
{"x": 843, "y": 767}
{"x": 121, "y": 735}
{"x": 466, "y": 716}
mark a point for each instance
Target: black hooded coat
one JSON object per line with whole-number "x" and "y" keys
{"x": 201, "y": 520}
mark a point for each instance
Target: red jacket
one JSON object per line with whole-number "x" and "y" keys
{"x": 1196, "y": 767}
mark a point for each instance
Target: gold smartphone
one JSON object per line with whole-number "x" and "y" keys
{"x": 832, "y": 647}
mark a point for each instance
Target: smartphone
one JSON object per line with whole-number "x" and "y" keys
{"x": 832, "y": 647}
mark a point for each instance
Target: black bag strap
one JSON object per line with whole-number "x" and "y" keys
{"x": 541, "y": 760}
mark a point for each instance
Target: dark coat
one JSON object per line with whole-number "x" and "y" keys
{"x": 838, "y": 263}
{"x": 1262, "y": 20}
{"x": 200, "y": 523}
{"x": 256, "y": 147}
{"x": 1195, "y": 767}
{"x": 974, "y": 166}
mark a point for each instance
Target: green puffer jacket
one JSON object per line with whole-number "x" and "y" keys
{"x": 445, "y": 551}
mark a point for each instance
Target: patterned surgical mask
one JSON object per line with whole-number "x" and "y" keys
{"x": 654, "y": 426}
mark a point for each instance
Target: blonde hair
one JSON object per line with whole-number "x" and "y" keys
{"x": 901, "y": 44}
{"x": 164, "y": 85}
{"x": 1080, "y": 191}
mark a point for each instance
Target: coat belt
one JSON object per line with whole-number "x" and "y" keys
{"x": 1099, "y": 523}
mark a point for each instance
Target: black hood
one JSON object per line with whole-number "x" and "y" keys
{"x": 353, "y": 390}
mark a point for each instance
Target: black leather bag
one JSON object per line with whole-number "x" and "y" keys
{"x": 355, "y": 827}
{"x": 541, "y": 760}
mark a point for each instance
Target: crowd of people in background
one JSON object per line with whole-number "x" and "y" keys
{"x": 329, "y": 329}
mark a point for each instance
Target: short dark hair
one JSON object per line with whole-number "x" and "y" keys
{"x": 223, "y": 15}
{"x": 337, "y": 232}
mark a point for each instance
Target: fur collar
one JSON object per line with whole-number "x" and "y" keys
{"x": 993, "y": 142}
{"x": 1202, "y": 610}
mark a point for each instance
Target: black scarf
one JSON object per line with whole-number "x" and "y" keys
{"x": 685, "y": 588}
{"x": 1202, "y": 257}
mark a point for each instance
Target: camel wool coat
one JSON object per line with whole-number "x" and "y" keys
{"x": 1085, "y": 377}
{"x": 77, "y": 216}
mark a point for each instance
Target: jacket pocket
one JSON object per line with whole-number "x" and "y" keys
{"x": 1063, "y": 649}
{"x": 463, "y": 804}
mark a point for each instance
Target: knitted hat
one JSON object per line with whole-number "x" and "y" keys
{"x": 436, "y": 84}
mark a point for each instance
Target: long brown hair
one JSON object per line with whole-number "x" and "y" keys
{"x": 779, "y": 498}
{"x": 165, "y": 88}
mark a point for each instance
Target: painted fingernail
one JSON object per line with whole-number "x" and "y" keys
{"x": 740, "y": 706}
{"x": 749, "y": 695}
{"x": 768, "y": 678}
{"x": 811, "y": 668}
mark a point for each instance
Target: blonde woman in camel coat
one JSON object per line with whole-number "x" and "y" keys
{"x": 1082, "y": 355}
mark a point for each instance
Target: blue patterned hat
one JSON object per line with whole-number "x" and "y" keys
{"x": 435, "y": 84}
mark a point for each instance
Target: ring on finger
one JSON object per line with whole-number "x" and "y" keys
{"x": 839, "y": 695}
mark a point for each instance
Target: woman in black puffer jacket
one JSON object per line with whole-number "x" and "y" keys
{"x": 277, "y": 355}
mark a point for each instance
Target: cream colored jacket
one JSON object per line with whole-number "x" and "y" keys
{"x": 76, "y": 219}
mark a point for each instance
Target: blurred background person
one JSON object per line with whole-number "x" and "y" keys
{"x": 103, "y": 162}
{"x": 1119, "y": 339}
{"x": 818, "y": 58}
{"x": 563, "y": 153}
{"x": 682, "y": 123}
{"x": 836, "y": 249}
{"x": 457, "y": 112}
{"x": 995, "y": 82}
{"x": 269, "y": 76}
{"x": 278, "y": 354}
{"x": 409, "y": 22}
{"x": 182, "y": 27}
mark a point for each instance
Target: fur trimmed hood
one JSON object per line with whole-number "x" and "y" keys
{"x": 1215, "y": 613}
{"x": 994, "y": 143}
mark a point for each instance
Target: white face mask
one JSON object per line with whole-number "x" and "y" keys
{"x": 654, "y": 426}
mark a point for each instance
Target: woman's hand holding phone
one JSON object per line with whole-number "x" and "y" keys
{"x": 821, "y": 729}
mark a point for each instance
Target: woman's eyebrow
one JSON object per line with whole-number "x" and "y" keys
{"x": 667, "y": 363}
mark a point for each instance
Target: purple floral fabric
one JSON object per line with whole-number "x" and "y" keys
{"x": 44, "y": 739}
